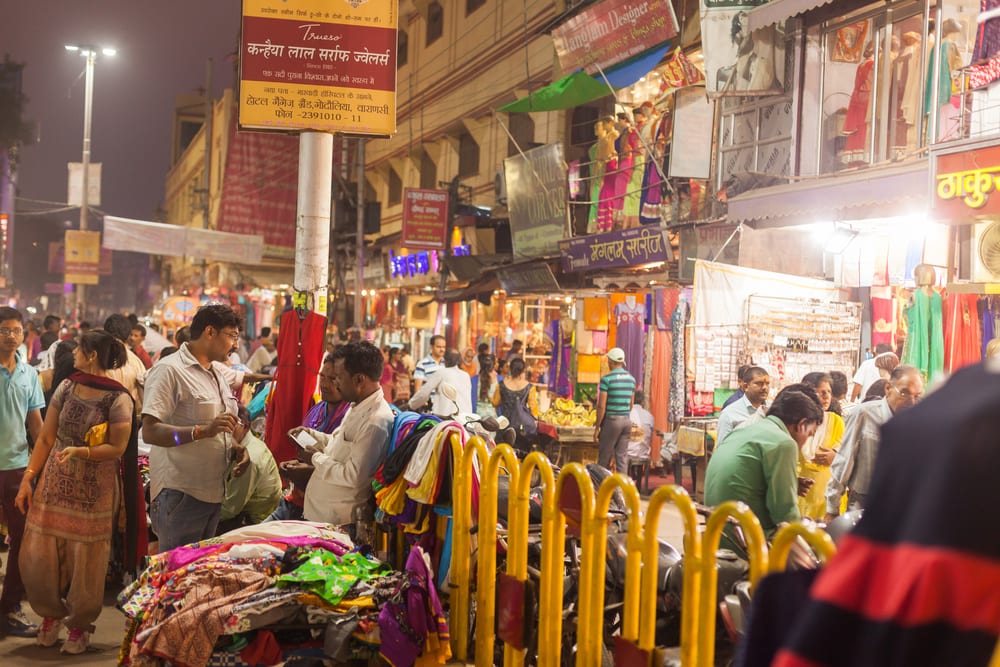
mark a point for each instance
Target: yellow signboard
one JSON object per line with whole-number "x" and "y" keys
{"x": 83, "y": 257}
{"x": 319, "y": 65}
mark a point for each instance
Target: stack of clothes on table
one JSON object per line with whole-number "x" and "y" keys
{"x": 279, "y": 592}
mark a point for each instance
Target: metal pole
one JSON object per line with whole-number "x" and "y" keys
{"x": 312, "y": 224}
{"x": 206, "y": 181}
{"x": 88, "y": 106}
{"x": 360, "y": 252}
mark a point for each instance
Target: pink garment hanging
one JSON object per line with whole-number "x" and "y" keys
{"x": 962, "y": 335}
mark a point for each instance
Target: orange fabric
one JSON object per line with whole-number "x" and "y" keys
{"x": 616, "y": 298}
{"x": 962, "y": 335}
{"x": 595, "y": 313}
{"x": 659, "y": 390}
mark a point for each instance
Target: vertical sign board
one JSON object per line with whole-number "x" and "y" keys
{"x": 537, "y": 192}
{"x": 74, "y": 190}
{"x": 83, "y": 257}
{"x": 324, "y": 65}
{"x": 425, "y": 219}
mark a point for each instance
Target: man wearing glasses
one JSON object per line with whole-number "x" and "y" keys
{"x": 21, "y": 406}
{"x": 189, "y": 415}
{"x": 855, "y": 460}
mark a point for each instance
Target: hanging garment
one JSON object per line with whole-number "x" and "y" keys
{"x": 561, "y": 359}
{"x": 988, "y": 318}
{"x": 678, "y": 322}
{"x": 988, "y": 35}
{"x": 595, "y": 313}
{"x": 596, "y": 180}
{"x": 300, "y": 353}
{"x": 659, "y": 389}
{"x": 856, "y": 120}
{"x": 631, "y": 320}
{"x": 882, "y": 321}
{"x": 626, "y": 144}
{"x": 606, "y": 197}
{"x": 925, "y": 334}
{"x": 652, "y": 182}
{"x": 633, "y": 188}
{"x": 962, "y": 339}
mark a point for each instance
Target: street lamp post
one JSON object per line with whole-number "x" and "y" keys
{"x": 90, "y": 53}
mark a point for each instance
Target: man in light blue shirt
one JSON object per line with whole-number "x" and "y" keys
{"x": 21, "y": 402}
{"x": 755, "y": 391}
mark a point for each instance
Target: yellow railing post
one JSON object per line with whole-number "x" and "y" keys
{"x": 461, "y": 524}
{"x": 598, "y": 553}
{"x": 486, "y": 588}
{"x": 461, "y": 553}
{"x": 756, "y": 553}
{"x": 650, "y": 572}
{"x": 549, "y": 622}
{"x": 814, "y": 536}
{"x": 584, "y": 652}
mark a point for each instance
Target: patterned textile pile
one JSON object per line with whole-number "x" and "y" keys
{"x": 274, "y": 592}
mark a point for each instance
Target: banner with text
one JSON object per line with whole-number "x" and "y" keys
{"x": 613, "y": 31}
{"x": 738, "y": 62}
{"x": 537, "y": 192}
{"x": 74, "y": 190}
{"x": 425, "y": 219}
{"x": 304, "y": 67}
{"x": 83, "y": 257}
{"x": 627, "y": 247}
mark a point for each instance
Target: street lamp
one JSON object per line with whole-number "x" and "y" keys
{"x": 90, "y": 53}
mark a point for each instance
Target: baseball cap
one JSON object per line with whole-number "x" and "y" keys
{"x": 617, "y": 355}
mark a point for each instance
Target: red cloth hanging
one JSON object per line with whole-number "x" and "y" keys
{"x": 300, "y": 354}
{"x": 882, "y": 321}
{"x": 962, "y": 335}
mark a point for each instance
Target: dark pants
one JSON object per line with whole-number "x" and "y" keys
{"x": 13, "y": 587}
{"x": 180, "y": 519}
{"x": 612, "y": 443}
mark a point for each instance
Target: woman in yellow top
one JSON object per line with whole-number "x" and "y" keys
{"x": 816, "y": 455}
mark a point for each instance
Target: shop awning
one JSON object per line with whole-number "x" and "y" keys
{"x": 867, "y": 193}
{"x": 481, "y": 290}
{"x": 779, "y": 10}
{"x": 579, "y": 87}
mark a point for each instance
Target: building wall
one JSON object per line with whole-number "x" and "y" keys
{"x": 481, "y": 61}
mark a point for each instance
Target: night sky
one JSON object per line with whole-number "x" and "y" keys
{"x": 162, "y": 50}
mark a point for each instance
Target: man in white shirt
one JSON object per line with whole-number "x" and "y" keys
{"x": 758, "y": 386}
{"x": 263, "y": 355}
{"x": 876, "y": 368}
{"x": 346, "y": 460}
{"x": 641, "y": 435}
{"x": 452, "y": 374}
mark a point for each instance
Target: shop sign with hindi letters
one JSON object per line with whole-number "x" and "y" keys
{"x": 319, "y": 65}
{"x": 628, "y": 247}
{"x": 425, "y": 219}
{"x": 537, "y": 192}
{"x": 967, "y": 184}
{"x": 613, "y": 31}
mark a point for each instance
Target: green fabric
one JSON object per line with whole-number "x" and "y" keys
{"x": 570, "y": 91}
{"x": 924, "y": 347}
{"x": 944, "y": 77}
{"x": 330, "y": 577}
{"x": 757, "y": 465}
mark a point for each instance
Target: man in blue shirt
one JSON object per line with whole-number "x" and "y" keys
{"x": 756, "y": 390}
{"x": 614, "y": 406}
{"x": 21, "y": 402}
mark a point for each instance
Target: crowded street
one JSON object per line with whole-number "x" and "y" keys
{"x": 548, "y": 333}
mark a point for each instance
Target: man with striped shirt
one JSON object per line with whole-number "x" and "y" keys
{"x": 614, "y": 405}
{"x": 430, "y": 364}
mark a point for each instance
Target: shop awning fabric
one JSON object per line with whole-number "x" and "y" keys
{"x": 779, "y": 10}
{"x": 866, "y": 193}
{"x": 579, "y": 87}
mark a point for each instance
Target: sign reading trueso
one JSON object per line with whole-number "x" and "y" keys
{"x": 613, "y": 31}
{"x": 425, "y": 219}
{"x": 326, "y": 65}
{"x": 967, "y": 183}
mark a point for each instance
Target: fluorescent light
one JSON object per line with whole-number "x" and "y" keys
{"x": 109, "y": 51}
{"x": 71, "y": 47}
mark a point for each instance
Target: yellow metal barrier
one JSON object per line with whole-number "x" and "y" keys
{"x": 814, "y": 536}
{"x": 650, "y": 572}
{"x": 593, "y": 617}
{"x": 461, "y": 551}
{"x": 585, "y": 656}
{"x": 757, "y": 555}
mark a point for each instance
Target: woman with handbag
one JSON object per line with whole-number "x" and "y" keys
{"x": 518, "y": 402}
{"x": 71, "y": 514}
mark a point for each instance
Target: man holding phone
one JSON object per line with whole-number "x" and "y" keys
{"x": 189, "y": 415}
{"x": 346, "y": 461}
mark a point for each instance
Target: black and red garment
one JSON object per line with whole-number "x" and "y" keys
{"x": 918, "y": 580}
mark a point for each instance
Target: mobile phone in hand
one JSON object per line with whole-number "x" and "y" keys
{"x": 304, "y": 439}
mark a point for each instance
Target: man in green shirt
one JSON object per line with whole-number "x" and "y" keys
{"x": 758, "y": 464}
{"x": 614, "y": 405}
